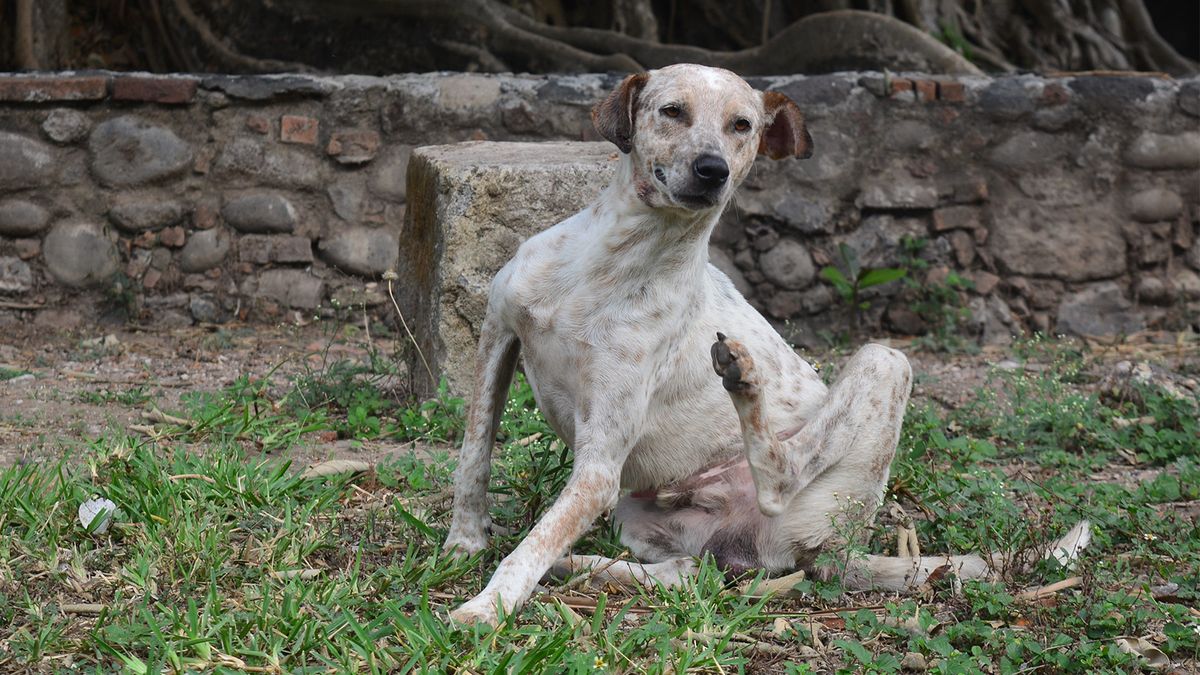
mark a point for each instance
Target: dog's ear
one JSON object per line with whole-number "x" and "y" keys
{"x": 785, "y": 134}
{"x": 613, "y": 117}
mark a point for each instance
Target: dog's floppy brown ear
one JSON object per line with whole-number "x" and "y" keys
{"x": 785, "y": 135}
{"x": 613, "y": 117}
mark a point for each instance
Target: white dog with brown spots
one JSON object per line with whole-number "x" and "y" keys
{"x": 615, "y": 310}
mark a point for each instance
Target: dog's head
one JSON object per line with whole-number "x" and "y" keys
{"x": 693, "y": 132}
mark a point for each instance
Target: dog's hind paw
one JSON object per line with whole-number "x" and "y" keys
{"x": 735, "y": 366}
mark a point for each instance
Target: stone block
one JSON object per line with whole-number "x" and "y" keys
{"x": 365, "y": 251}
{"x": 79, "y": 254}
{"x": 128, "y": 151}
{"x": 353, "y": 146}
{"x": 19, "y": 218}
{"x": 24, "y": 162}
{"x": 1102, "y": 309}
{"x": 470, "y": 206}
{"x": 260, "y": 212}
{"x": 293, "y": 288}
{"x": 1165, "y": 151}
{"x": 1073, "y": 244}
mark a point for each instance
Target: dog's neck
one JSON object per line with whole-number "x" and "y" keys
{"x": 645, "y": 243}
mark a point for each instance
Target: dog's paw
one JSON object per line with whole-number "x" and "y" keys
{"x": 460, "y": 544}
{"x": 735, "y": 366}
{"x": 480, "y": 610}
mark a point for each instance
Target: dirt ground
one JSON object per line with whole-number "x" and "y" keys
{"x": 75, "y": 386}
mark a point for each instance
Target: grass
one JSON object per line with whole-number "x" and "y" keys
{"x": 222, "y": 557}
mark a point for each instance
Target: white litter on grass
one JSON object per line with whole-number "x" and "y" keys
{"x": 97, "y": 509}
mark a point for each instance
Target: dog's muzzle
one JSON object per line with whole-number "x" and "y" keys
{"x": 709, "y": 174}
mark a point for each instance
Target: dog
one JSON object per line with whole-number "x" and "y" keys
{"x": 615, "y": 311}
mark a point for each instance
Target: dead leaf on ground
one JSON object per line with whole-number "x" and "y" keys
{"x": 1154, "y": 657}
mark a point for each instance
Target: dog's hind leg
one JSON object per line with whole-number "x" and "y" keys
{"x": 495, "y": 362}
{"x": 601, "y": 570}
{"x": 855, "y": 429}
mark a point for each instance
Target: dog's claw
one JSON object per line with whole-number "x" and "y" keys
{"x": 725, "y": 363}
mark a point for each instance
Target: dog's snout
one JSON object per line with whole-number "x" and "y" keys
{"x": 710, "y": 170}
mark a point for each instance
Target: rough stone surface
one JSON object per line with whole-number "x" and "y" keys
{"x": 1102, "y": 309}
{"x": 477, "y": 202}
{"x": 274, "y": 165}
{"x": 1155, "y": 204}
{"x": 279, "y": 248}
{"x": 15, "y": 275}
{"x": 293, "y": 288}
{"x": 1073, "y": 244}
{"x": 129, "y": 150}
{"x": 389, "y": 174}
{"x": 789, "y": 265}
{"x": 24, "y": 162}
{"x": 204, "y": 250}
{"x": 896, "y": 190}
{"x": 1164, "y": 151}
{"x": 260, "y": 212}
{"x": 19, "y": 218}
{"x": 78, "y": 254}
{"x": 66, "y": 126}
{"x": 364, "y": 251}
{"x": 135, "y": 212}
{"x": 206, "y": 309}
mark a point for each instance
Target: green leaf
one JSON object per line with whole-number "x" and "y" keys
{"x": 875, "y": 277}
{"x": 850, "y": 257}
{"x": 834, "y": 276}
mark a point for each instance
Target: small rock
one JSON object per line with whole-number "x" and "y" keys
{"x": 205, "y": 309}
{"x": 957, "y": 218}
{"x": 1006, "y": 98}
{"x": 1153, "y": 291}
{"x": 19, "y": 218}
{"x": 1029, "y": 149}
{"x": 24, "y": 162}
{"x": 138, "y": 212}
{"x": 904, "y": 321}
{"x": 788, "y": 265}
{"x": 27, "y": 249}
{"x": 1155, "y": 204}
{"x": 260, "y": 212}
{"x": 347, "y": 197}
{"x": 360, "y": 250}
{"x": 963, "y": 245}
{"x": 1102, "y": 309}
{"x": 993, "y": 320}
{"x": 129, "y": 150}
{"x": 914, "y": 662}
{"x": 20, "y": 379}
{"x": 172, "y": 237}
{"x": 15, "y": 275}
{"x": 269, "y": 164}
{"x": 1164, "y": 151}
{"x": 898, "y": 190}
{"x": 1186, "y": 283}
{"x": 66, "y": 126}
{"x": 78, "y": 254}
{"x": 293, "y": 288}
{"x": 355, "y": 146}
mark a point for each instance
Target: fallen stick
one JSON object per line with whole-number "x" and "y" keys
{"x": 1049, "y": 589}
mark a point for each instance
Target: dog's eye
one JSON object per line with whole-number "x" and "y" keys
{"x": 742, "y": 125}
{"x": 671, "y": 110}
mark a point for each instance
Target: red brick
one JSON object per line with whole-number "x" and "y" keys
{"x": 356, "y": 146}
{"x": 926, "y": 90}
{"x": 146, "y": 240}
{"x": 952, "y": 92}
{"x": 298, "y": 129}
{"x": 40, "y": 89}
{"x": 901, "y": 85}
{"x": 152, "y": 278}
{"x": 258, "y": 124}
{"x": 1055, "y": 94}
{"x": 153, "y": 89}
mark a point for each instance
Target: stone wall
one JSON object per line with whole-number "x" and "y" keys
{"x": 1071, "y": 203}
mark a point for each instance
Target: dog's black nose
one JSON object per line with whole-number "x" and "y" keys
{"x": 710, "y": 170}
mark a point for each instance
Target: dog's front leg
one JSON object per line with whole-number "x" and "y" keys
{"x": 602, "y": 444}
{"x": 495, "y": 362}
